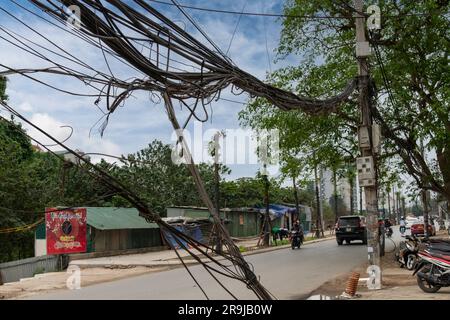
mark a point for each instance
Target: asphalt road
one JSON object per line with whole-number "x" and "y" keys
{"x": 286, "y": 273}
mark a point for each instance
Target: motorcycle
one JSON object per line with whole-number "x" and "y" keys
{"x": 296, "y": 239}
{"x": 407, "y": 255}
{"x": 433, "y": 268}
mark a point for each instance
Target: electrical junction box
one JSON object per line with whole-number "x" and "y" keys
{"x": 366, "y": 171}
{"x": 363, "y": 49}
{"x": 363, "y": 137}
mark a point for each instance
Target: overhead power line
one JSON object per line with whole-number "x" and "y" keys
{"x": 279, "y": 15}
{"x": 246, "y": 13}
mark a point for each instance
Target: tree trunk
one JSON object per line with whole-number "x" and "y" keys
{"x": 360, "y": 200}
{"x": 403, "y": 207}
{"x": 425, "y": 212}
{"x": 297, "y": 204}
{"x": 318, "y": 218}
{"x": 389, "y": 205}
{"x": 267, "y": 216}
{"x": 443, "y": 159}
{"x": 352, "y": 205}
{"x": 336, "y": 213}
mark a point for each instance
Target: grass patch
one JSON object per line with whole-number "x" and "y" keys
{"x": 242, "y": 249}
{"x": 280, "y": 243}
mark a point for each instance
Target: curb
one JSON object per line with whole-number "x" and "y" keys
{"x": 256, "y": 251}
{"x": 175, "y": 262}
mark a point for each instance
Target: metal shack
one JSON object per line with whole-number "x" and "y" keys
{"x": 240, "y": 222}
{"x": 111, "y": 229}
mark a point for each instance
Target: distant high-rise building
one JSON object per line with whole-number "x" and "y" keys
{"x": 344, "y": 190}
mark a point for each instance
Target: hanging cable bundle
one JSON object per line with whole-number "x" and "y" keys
{"x": 169, "y": 62}
{"x": 124, "y": 30}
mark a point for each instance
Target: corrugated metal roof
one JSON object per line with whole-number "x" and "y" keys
{"x": 111, "y": 218}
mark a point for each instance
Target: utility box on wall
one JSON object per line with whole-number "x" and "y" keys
{"x": 366, "y": 171}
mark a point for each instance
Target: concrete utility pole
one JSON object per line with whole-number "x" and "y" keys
{"x": 366, "y": 164}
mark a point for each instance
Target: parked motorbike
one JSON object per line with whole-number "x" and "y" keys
{"x": 296, "y": 239}
{"x": 433, "y": 268}
{"x": 407, "y": 255}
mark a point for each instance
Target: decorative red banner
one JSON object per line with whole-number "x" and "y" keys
{"x": 65, "y": 230}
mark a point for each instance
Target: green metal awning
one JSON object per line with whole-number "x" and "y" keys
{"x": 111, "y": 218}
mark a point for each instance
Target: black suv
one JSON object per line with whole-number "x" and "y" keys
{"x": 351, "y": 228}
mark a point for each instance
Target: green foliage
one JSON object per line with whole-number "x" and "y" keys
{"x": 153, "y": 175}
{"x": 30, "y": 181}
{"x": 3, "y": 96}
{"x": 280, "y": 242}
{"x": 415, "y": 47}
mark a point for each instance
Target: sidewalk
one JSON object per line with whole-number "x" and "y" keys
{"x": 397, "y": 283}
{"x": 105, "y": 269}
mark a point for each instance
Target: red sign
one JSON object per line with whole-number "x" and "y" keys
{"x": 66, "y": 230}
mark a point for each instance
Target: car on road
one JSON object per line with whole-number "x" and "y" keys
{"x": 418, "y": 229}
{"x": 409, "y": 221}
{"x": 350, "y": 228}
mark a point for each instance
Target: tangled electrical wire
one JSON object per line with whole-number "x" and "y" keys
{"x": 239, "y": 269}
{"x": 134, "y": 32}
{"x": 168, "y": 62}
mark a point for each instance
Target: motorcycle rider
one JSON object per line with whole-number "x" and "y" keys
{"x": 298, "y": 227}
{"x": 402, "y": 225}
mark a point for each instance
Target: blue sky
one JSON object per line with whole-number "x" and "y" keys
{"x": 131, "y": 128}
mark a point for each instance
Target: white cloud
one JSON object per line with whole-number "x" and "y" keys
{"x": 140, "y": 121}
{"x": 25, "y": 106}
{"x": 60, "y": 132}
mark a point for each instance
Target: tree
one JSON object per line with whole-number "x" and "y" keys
{"x": 414, "y": 43}
{"x": 153, "y": 175}
{"x": 3, "y": 96}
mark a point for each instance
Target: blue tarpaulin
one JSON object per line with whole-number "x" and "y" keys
{"x": 193, "y": 232}
{"x": 278, "y": 210}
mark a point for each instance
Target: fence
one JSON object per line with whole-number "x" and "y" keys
{"x": 16, "y": 270}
